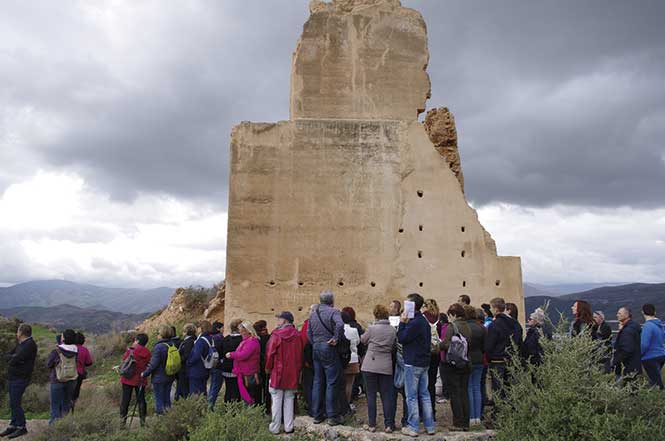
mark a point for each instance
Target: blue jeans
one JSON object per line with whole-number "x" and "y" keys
{"x": 161, "y": 392}
{"x": 327, "y": 375}
{"x": 61, "y": 399}
{"x": 416, "y": 387}
{"x": 475, "y": 397}
{"x": 216, "y": 380}
{"x": 197, "y": 386}
{"x": 16, "y": 389}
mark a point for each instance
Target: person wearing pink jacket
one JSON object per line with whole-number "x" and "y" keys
{"x": 246, "y": 363}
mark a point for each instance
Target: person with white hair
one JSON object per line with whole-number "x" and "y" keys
{"x": 532, "y": 350}
{"x": 601, "y": 332}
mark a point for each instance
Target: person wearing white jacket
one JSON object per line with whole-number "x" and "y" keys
{"x": 353, "y": 367}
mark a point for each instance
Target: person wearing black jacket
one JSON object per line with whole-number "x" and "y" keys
{"x": 261, "y": 328}
{"x": 502, "y": 334}
{"x": 627, "y": 349}
{"x": 229, "y": 344}
{"x": 216, "y": 377}
{"x": 21, "y": 361}
{"x": 602, "y": 333}
{"x": 185, "y": 348}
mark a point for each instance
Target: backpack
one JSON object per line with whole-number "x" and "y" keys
{"x": 435, "y": 340}
{"x": 173, "y": 361}
{"x": 458, "y": 351}
{"x": 212, "y": 359}
{"x": 343, "y": 345}
{"x": 65, "y": 370}
{"x": 126, "y": 369}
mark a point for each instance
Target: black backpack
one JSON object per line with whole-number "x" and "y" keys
{"x": 343, "y": 345}
{"x": 126, "y": 369}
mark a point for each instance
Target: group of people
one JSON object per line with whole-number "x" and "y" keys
{"x": 67, "y": 364}
{"x": 407, "y": 347}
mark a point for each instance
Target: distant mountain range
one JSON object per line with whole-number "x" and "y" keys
{"x": 83, "y": 319}
{"x": 607, "y": 299}
{"x": 49, "y": 293}
{"x": 536, "y": 289}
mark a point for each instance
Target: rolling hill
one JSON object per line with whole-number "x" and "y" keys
{"x": 48, "y": 293}
{"x": 67, "y": 316}
{"x": 607, "y": 299}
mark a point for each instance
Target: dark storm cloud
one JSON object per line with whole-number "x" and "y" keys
{"x": 556, "y": 102}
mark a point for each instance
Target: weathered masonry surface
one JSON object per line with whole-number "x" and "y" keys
{"x": 354, "y": 194}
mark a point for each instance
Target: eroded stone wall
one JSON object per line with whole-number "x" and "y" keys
{"x": 353, "y": 193}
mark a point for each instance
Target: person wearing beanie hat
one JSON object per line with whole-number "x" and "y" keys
{"x": 284, "y": 360}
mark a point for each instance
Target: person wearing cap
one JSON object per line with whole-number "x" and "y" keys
{"x": 532, "y": 350}
{"x": 602, "y": 333}
{"x": 284, "y": 360}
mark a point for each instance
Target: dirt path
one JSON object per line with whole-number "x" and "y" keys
{"x": 35, "y": 427}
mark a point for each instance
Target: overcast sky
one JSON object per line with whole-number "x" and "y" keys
{"x": 115, "y": 119}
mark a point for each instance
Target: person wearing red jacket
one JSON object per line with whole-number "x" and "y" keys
{"x": 284, "y": 360}
{"x": 136, "y": 382}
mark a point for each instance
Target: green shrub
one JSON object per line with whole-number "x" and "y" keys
{"x": 178, "y": 423}
{"x": 90, "y": 421}
{"x": 37, "y": 398}
{"x": 568, "y": 397}
{"x": 234, "y": 421}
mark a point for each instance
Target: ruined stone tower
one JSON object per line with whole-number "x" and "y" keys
{"x": 353, "y": 193}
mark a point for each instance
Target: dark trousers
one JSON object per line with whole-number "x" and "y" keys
{"x": 384, "y": 385}
{"x": 483, "y": 391}
{"x": 231, "y": 392}
{"x": 499, "y": 378}
{"x": 16, "y": 389}
{"x": 405, "y": 410}
{"x": 161, "y": 392}
{"x": 431, "y": 381}
{"x": 652, "y": 368}
{"x": 127, "y": 398}
{"x": 77, "y": 390}
{"x": 444, "y": 381}
{"x": 216, "y": 381}
{"x": 307, "y": 383}
{"x": 197, "y": 386}
{"x": 458, "y": 380}
{"x": 61, "y": 399}
{"x": 182, "y": 386}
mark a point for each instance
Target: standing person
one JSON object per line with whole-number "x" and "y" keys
{"x": 83, "y": 361}
{"x": 458, "y": 374}
{"x": 481, "y": 317}
{"x": 261, "y": 328}
{"x": 21, "y": 364}
{"x": 308, "y": 366}
{"x": 136, "y": 382}
{"x": 284, "y": 360}
{"x": 627, "y": 355}
{"x": 197, "y": 373}
{"x": 359, "y": 386}
{"x": 230, "y": 344}
{"x": 415, "y": 336}
{"x": 377, "y": 368}
{"x": 324, "y": 331}
{"x": 431, "y": 313}
{"x": 464, "y": 300}
{"x": 489, "y": 316}
{"x": 395, "y": 312}
{"x": 216, "y": 377}
{"x": 246, "y": 362}
{"x": 161, "y": 382}
{"x": 445, "y": 394}
{"x": 185, "y": 350}
{"x": 476, "y": 358}
{"x": 602, "y": 333}
{"x": 501, "y": 336}
{"x": 175, "y": 341}
{"x": 514, "y": 312}
{"x": 61, "y": 363}
{"x": 353, "y": 368}
{"x": 532, "y": 350}
{"x": 582, "y": 318}
{"x": 652, "y": 349}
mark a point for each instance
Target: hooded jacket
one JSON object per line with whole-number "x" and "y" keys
{"x": 195, "y": 367}
{"x": 53, "y": 360}
{"x": 652, "y": 340}
{"x": 142, "y": 357}
{"x": 501, "y": 334}
{"x": 157, "y": 365}
{"x": 284, "y": 357}
{"x": 627, "y": 349}
{"x": 83, "y": 361}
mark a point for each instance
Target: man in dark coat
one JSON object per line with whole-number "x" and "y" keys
{"x": 627, "y": 351}
{"x": 21, "y": 361}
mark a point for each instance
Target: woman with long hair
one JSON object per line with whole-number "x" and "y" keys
{"x": 582, "y": 318}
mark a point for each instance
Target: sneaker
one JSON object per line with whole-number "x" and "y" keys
{"x": 369, "y": 428}
{"x": 408, "y": 432}
{"x": 318, "y": 420}
{"x": 334, "y": 422}
{"x": 8, "y": 431}
{"x": 431, "y": 431}
{"x": 389, "y": 430}
{"x": 19, "y": 432}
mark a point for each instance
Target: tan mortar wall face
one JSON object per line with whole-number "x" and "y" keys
{"x": 335, "y": 204}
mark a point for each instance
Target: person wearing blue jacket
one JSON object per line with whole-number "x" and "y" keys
{"x": 161, "y": 383}
{"x": 415, "y": 337}
{"x": 626, "y": 359}
{"x": 196, "y": 371}
{"x": 652, "y": 346}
